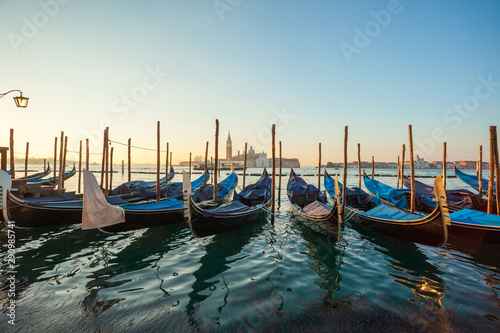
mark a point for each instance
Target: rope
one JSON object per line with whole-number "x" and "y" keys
{"x": 267, "y": 210}
{"x": 349, "y": 216}
{"x": 136, "y": 147}
{"x": 83, "y": 153}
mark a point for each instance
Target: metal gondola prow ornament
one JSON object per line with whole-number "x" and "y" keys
{"x": 186, "y": 194}
{"x": 6, "y": 185}
{"x": 443, "y": 206}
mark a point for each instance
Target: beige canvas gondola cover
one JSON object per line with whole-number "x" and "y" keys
{"x": 97, "y": 212}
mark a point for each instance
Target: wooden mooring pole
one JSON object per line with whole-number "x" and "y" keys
{"x": 212, "y": 170}
{"x": 205, "y": 169}
{"x": 61, "y": 170}
{"x": 480, "y": 170}
{"x": 106, "y": 185}
{"x": 129, "y": 161}
{"x": 190, "y": 166}
{"x": 158, "y": 189}
{"x": 402, "y": 166}
{"x": 497, "y": 173}
{"x": 399, "y": 174}
{"x": 279, "y": 177}
{"x": 111, "y": 169}
{"x": 273, "y": 179}
{"x": 245, "y": 163}
{"x": 3, "y": 158}
{"x": 12, "y": 159}
{"x": 55, "y": 160}
{"x": 373, "y": 167}
{"x": 494, "y": 170}
{"x": 319, "y": 167}
{"x": 359, "y": 165}
{"x": 444, "y": 165}
{"x": 167, "y": 170}
{"x": 87, "y": 154}
{"x": 64, "y": 161}
{"x": 104, "y": 144}
{"x": 412, "y": 171}
{"x": 344, "y": 176}
{"x": 26, "y": 161}
{"x": 80, "y": 167}
{"x": 216, "y": 158}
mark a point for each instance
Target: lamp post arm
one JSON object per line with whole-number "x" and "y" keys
{"x": 3, "y": 94}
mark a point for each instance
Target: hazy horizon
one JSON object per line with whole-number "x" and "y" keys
{"x": 309, "y": 68}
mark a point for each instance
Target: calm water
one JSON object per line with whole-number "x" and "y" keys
{"x": 265, "y": 277}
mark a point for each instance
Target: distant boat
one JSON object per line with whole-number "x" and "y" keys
{"x": 38, "y": 175}
{"x": 473, "y": 181}
{"x": 174, "y": 190}
{"x": 132, "y": 188}
{"x": 221, "y": 167}
{"x": 50, "y": 180}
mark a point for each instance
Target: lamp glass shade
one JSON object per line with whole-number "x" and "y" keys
{"x": 21, "y": 102}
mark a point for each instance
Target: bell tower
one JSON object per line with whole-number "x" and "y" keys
{"x": 229, "y": 147}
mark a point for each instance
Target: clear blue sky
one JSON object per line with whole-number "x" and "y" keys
{"x": 310, "y": 67}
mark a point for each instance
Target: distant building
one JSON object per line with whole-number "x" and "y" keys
{"x": 229, "y": 147}
{"x": 419, "y": 163}
{"x": 471, "y": 165}
{"x": 253, "y": 159}
{"x": 439, "y": 165}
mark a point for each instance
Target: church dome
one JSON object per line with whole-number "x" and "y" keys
{"x": 251, "y": 151}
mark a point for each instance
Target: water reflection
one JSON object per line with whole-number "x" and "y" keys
{"x": 41, "y": 251}
{"x": 143, "y": 249}
{"x": 482, "y": 256}
{"x": 410, "y": 267}
{"x": 212, "y": 278}
{"x": 325, "y": 252}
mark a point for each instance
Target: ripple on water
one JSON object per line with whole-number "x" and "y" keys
{"x": 263, "y": 277}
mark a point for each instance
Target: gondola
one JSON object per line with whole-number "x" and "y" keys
{"x": 98, "y": 213}
{"x": 457, "y": 199}
{"x": 203, "y": 195}
{"x": 466, "y": 223}
{"x": 363, "y": 208}
{"x": 62, "y": 209}
{"x": 307, "y": 201}
{"x": 473, "y": 181}
{"x": 132, "y": 188}
{"x": 55, "y": 210}
{"x": 311, "y": 206}
{"x": 50, "y": 180}
{"x": 174, "y": 189}
{"x": 38, "y": 175}
{"x": 202, "y": 198}
{"x": 424, "y": 196}
{"x": 58, "y": 210}
{"x": 246, "y": 206}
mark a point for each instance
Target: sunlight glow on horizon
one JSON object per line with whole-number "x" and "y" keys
{"x": 185, "y": 64}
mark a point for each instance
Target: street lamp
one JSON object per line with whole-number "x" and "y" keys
{"x": 21, "y": 102}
